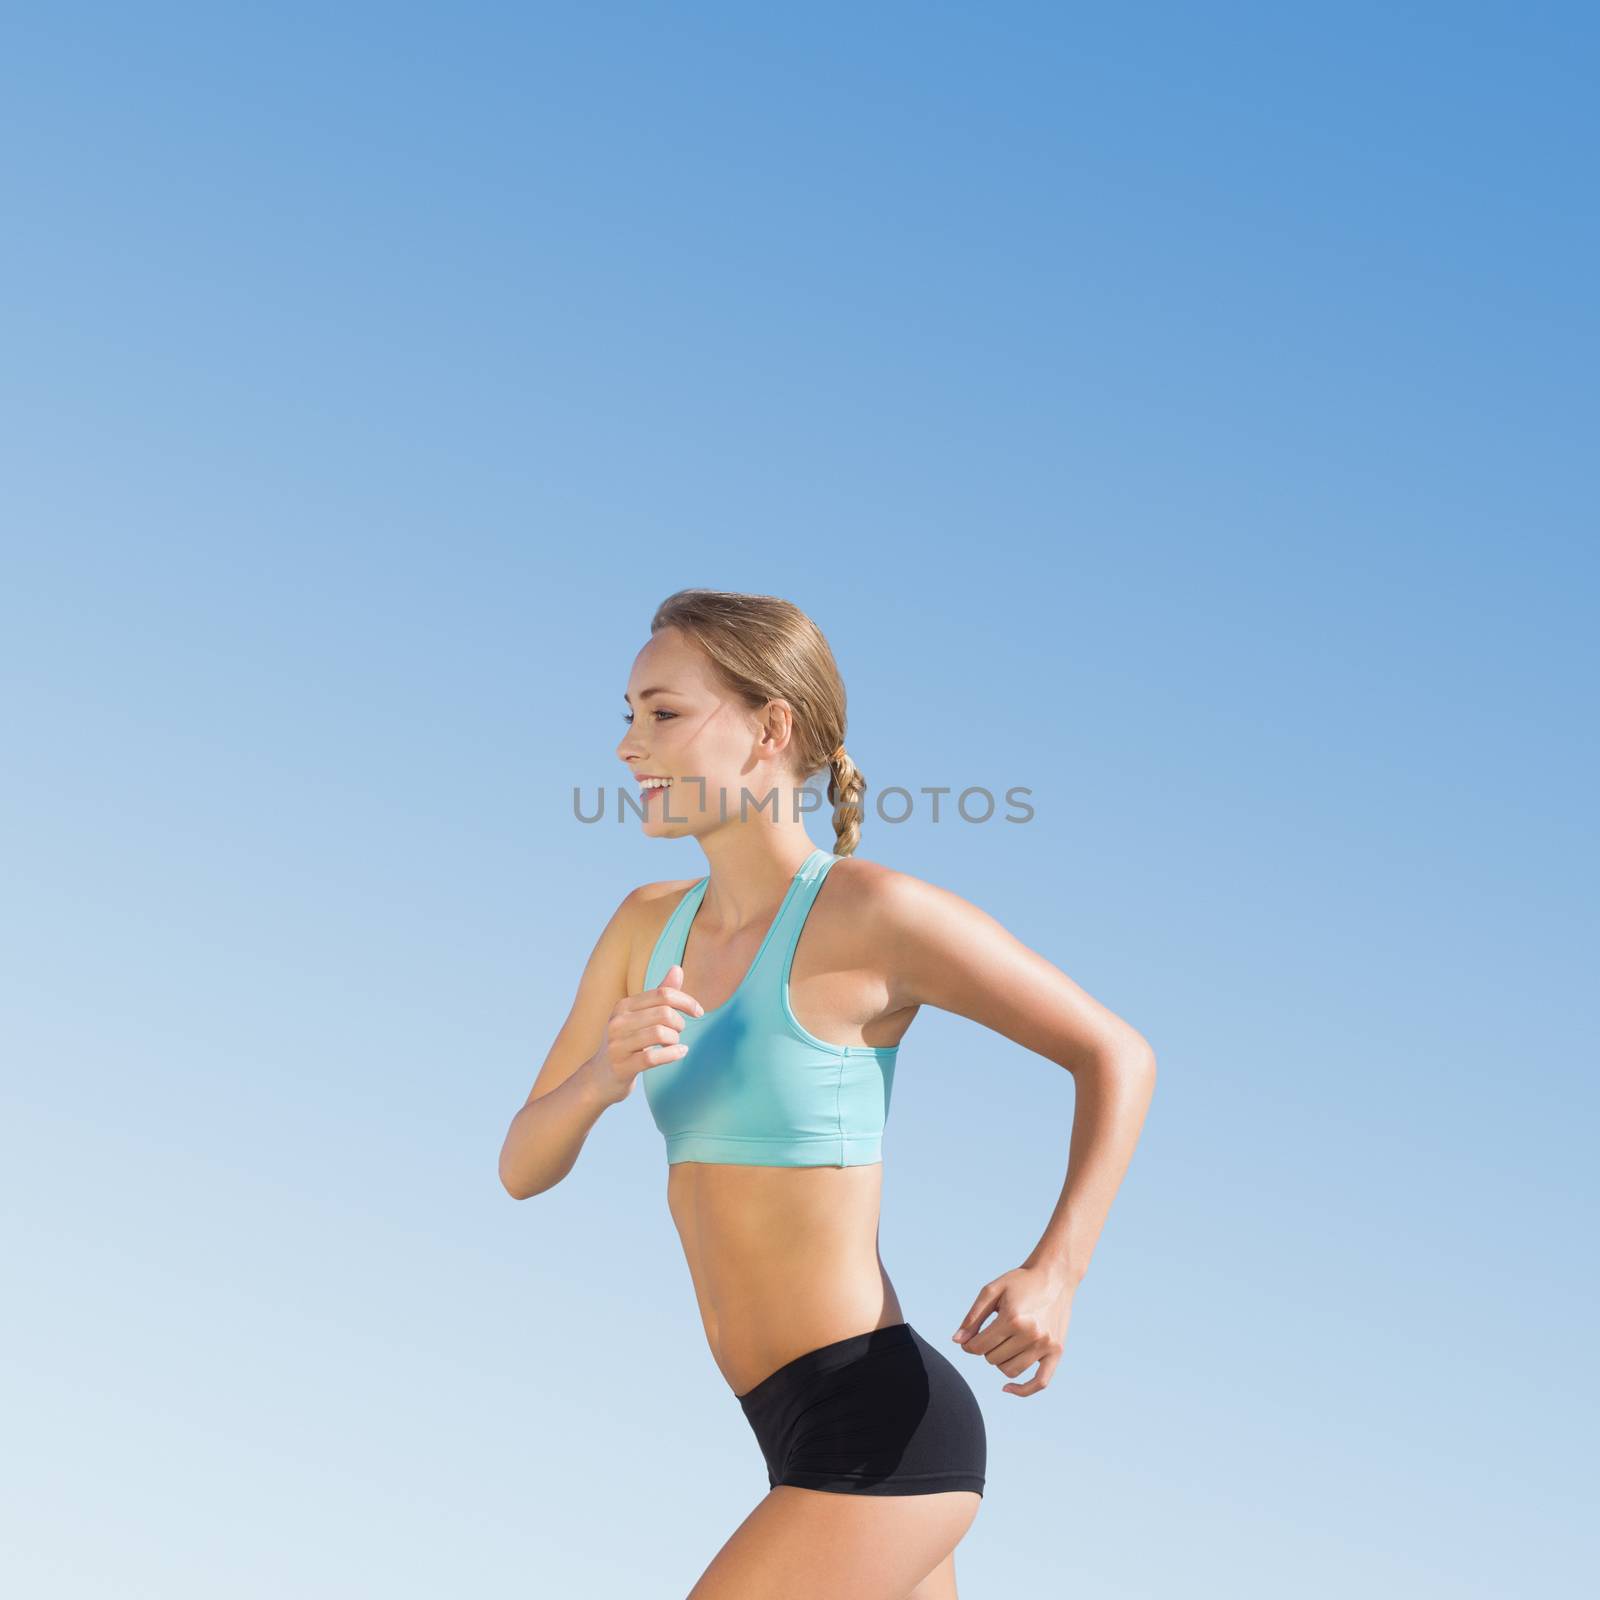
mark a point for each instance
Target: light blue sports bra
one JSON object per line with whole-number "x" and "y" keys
{"x": 755, "y": 1088}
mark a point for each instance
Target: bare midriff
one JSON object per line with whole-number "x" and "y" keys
{"x": 783, "y": 1259}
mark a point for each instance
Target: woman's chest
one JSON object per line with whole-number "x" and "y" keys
{"x": 835, "y": 981}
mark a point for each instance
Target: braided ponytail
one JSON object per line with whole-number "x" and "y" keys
{"x": 846, "y": 786}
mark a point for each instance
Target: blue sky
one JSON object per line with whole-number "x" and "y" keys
{"x": 1183, "y": 414}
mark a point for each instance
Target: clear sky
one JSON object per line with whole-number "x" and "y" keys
{"x": 1185, "y": 413}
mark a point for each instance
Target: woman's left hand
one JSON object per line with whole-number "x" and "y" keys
{"x": 1034, "y": 1306}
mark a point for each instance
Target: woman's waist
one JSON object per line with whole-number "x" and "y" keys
{"x": 749, "y": 1349}
{"x": 765, "y": 1307}
{"x": 782, "y": 1258}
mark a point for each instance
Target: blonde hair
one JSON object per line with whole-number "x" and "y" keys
{"x": 766, "y": 649}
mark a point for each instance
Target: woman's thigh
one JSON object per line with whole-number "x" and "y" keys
{"x": 812, "y": 1544}
{"x": 940, "y": 1584}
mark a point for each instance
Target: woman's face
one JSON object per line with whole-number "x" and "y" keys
{"x": 683, "y": 725}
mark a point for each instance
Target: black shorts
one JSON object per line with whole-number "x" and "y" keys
{"x": 880, "y": 1412}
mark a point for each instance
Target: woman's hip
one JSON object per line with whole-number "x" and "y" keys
{"x": 877, "y": 1412}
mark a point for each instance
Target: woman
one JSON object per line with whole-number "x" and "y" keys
{"x": 767, "y": 1059}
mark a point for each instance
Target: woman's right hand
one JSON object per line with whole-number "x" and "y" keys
{"x": 642, "y": 1031}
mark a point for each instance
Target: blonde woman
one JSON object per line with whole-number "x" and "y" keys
{"x": 763, "y": 1005}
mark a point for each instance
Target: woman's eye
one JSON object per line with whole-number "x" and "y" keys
{"x": 627, "y": 716}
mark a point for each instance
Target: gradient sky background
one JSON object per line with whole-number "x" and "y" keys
{"x": 1176, "y": 410}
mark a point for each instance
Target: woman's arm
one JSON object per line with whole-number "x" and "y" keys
{"x": 608, "y": 1039}
{"x": 571, "y": 1091}
{"x": 948, "y": 953}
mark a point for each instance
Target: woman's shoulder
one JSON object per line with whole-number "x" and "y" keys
{"x": 644, "y": 914}
{"x": 659, "y": 891}
{"x": 887, "y": 904}
{"x": 645, "y": 909}
{"x": 874, "y": 876}
{"x": 871, "y": 891}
